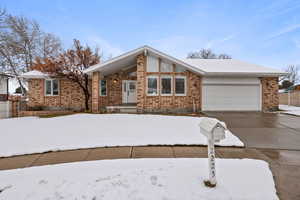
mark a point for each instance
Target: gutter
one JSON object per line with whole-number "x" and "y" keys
{"x": 249, "y": 74}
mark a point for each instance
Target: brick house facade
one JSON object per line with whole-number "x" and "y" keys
{"x": 270, "y": 96}
{"x": 71, "y": 97}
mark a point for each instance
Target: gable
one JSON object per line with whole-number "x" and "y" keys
{"x": 129, "y": 58}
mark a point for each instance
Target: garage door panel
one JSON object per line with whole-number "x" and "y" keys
{"x": 231, "y": 97}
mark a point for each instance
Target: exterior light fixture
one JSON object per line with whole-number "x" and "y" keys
{"x": 115, "y": 81}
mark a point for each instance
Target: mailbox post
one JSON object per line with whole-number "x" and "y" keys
{"x": 214, "y": 130}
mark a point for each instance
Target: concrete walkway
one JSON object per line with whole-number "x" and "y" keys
{"x": 284, "y": 164}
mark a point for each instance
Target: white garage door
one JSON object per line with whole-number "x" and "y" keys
{"x": 231, "y": 95}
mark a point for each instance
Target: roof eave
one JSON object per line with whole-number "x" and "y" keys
{"x": 250, "y": 74}
{"x": 97, "y": 66}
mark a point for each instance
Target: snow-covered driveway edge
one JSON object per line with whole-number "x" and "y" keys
{"x": 180, "y": 178}
{"x": 291, "y": 110}
{"x": 80, "y": 131}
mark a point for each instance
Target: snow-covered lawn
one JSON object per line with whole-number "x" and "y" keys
{"x": 147, "y": 179}
{"x": 35, "y": 135}
{"x": 292, "y": 110}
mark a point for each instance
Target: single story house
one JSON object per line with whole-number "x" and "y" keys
{"x": 4, "y": 86}
{"x": 5, "y": 105}
{"x": 149, "y": 80}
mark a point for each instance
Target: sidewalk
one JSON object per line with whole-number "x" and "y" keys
{"x": 285, "y": 165}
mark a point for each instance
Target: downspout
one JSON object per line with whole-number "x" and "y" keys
{"x": 194, "y": 105}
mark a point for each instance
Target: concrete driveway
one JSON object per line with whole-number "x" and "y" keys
{"x": 263, "y": 130}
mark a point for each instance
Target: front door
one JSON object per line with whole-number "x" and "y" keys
{"x": 129, "y": 91}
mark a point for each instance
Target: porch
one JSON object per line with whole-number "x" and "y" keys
{"x": 115, "y": 90}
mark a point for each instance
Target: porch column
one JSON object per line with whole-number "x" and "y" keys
{"x": 95, "y": 92}
{"x": 141, "y": 84}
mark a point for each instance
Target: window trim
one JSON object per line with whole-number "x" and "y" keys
{"x": 157, "y": 85}
{"x": 51, "y": 87}
{"x": 172, "y": 87}
{"x": 185, "y": 86}
{"x": 100, "y": 88}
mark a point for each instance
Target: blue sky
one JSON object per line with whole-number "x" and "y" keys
{"x": 258, "y": 31}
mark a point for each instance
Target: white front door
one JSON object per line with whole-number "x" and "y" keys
{"x": 129, "y": 91}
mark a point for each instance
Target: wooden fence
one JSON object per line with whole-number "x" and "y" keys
{"x": 292, "y": 98}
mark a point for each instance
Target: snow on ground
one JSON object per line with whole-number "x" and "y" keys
{"x": 292, "y": 110}
{"x": 35, "y": 135}
{"x": 145, "y": 179}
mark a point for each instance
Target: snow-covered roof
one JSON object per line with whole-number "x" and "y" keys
{"x": 5, "y": 74}
{"x": 205, "y": 67}
{"x": 231, "y": 67}
{"x": 34, "y": 74}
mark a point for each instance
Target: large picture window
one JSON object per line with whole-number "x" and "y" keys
{"x": 152, "y": 89}
{"x": 166, "y": 85}
{"x": 103, "y": 88}
{"x": 51, "y": 87}
{"x": 180, "y": 85}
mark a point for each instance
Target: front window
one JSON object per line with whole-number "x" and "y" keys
{"x": 166, "y": 85}
{"x": 152, "y": 89}
{"x": 51, "y": 87}
{"x": 180, "y": 85}
{"x": 103, "y": 88}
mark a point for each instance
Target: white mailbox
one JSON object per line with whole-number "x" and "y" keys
{"x": 214, "y": 130}
{"x": 213, "y": 126}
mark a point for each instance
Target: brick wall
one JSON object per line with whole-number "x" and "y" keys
{"x": 270, "y": 98}
{"x": 167, "y": 103}
{"x": 95, "y": 91}
{"x": 70, "y": 95}
{"x": 3, "y": 97}
{"x": 114, "y": 87}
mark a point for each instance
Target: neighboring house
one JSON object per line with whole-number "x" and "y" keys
{"x": 297, "y": 87}
{"x": 4, "y": 92}
{"x": 152, "y": 81}
{"x": 5, "y": 105}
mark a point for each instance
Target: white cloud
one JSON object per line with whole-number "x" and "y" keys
{"x": 297, "y": 43}
{"x": 105, "y": 46}
{"x": 213, "y": 43}
{"x": 284, "y": 30}
{"x": 175, "y": 45}
{"x": 179, "y": 45}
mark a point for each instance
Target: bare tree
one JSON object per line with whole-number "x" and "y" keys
{"x": 224, "y": 56}
{"x": 50, "y": 46}
{"x": 207, "y": 54}
{"x": 2, "y": 17}
{"x": 293, "y": 74}
{"x": 71, "y": 65}
{"x": 21, "y": 41}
